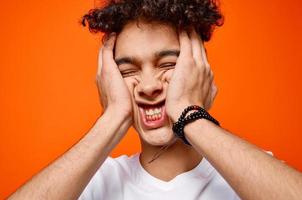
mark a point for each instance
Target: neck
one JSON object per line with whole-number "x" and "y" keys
{"x": 176, "y": 159}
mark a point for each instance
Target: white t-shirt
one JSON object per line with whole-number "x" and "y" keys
{"x": 125, "y": 178}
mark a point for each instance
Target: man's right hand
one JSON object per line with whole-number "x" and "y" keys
{"x": 80, "y": 163}
{"x": 113, "y": 91}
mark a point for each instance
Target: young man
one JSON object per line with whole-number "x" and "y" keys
{"x": 152, "y": 66}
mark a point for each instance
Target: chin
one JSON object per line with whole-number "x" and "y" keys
{"x": 156, "y": 131}
{"x": 156, "y": 137}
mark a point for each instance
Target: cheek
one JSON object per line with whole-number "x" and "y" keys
{"x": 131, "y": 83}
{"x": 167, "y": 75}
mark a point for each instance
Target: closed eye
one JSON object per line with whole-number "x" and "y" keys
{"x": 168, "y": 65}
{"x": 128, "y": 73}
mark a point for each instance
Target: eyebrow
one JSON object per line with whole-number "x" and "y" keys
{"x": 160, "y": 54}
{"x": 168, "y": 53}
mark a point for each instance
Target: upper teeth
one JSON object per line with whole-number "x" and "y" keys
{"x": 153, "y": 111}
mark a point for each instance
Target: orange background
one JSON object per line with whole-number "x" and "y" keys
{"x": 49, "y": 99}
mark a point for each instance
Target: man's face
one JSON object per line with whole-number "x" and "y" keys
{"x": 146, "y": 56}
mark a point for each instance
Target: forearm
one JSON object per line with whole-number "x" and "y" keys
{"x": 252, "y": 173}
{"x": 67, "y": 176}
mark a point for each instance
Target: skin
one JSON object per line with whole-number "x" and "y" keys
{"x": 147, "y": 77}
{"x": 189, "y": 81}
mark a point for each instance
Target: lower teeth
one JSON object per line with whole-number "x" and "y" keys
{"x": 152, "y": 118}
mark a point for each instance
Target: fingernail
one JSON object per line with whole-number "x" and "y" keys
{"x": 107, "y": 37}
{"x": 111, "y": 35}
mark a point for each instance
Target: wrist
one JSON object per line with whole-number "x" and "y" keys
{"x": 175, "y": 113}
{"x": 119, "y": 115}
{"x": 119, "y": 111}
{"x": 188, "y": 117}
{"x": 112, "y": 126}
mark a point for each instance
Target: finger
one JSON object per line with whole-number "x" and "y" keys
{"x": 208, "y": 84}
{"x": 98, "y": 79}
{"x": 103, "y": 98}
{"x": 166, "y": 77}
{"x": 196, "y": 48}
{"x": 101, "y": 92}
{"x": 185, "y": 45}
{"x": 108, "y": 64}
{"x": 100, "y": 57}
{"x": 204, "y": 55}
{"x": 214, "y": 91}
{"x": 209, "y": 81}
{"x": 100, "y": 64}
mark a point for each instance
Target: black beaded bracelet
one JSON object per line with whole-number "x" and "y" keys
{"x": 178, "y": 127}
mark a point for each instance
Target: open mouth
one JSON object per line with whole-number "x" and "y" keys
{"x": 153, "y": 116}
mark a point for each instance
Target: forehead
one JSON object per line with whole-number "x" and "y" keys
{"x": 143, "y": 40}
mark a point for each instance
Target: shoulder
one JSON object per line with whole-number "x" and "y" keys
{"x": 118, "y": 165}
{"x": 109, "y": 177}
{"x": 115, "y": 167}
{"x": 218, "y": 187}
{"x": 122, "y": 165}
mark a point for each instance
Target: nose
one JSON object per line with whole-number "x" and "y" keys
{"x": 149, "y": 86}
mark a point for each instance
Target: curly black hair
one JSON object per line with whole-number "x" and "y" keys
{"x": 203, "y": 15}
